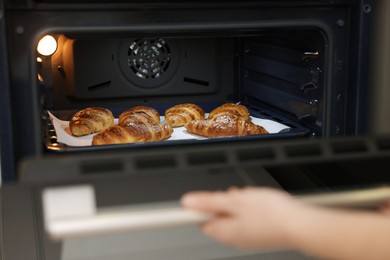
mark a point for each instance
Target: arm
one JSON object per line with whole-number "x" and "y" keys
{"x": 265, "y": 218}
{"x": 344, "y": 234}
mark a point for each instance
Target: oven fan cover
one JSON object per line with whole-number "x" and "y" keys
{"x": 149, "y": 62}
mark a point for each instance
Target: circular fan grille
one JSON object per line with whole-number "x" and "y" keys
{"x": 149, "y": 58}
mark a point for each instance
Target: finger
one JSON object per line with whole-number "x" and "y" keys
{"x": 385, "y": 209}
{"x": 234, "y": 189}
{"x": 212, "y": 202}
{"x": 222, "y": 229}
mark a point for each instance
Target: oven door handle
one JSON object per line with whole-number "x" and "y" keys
{"x": 364, "y": 199}
{"x": 71, "y": 211}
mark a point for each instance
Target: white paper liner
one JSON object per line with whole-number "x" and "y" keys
{"x": 179, "y": 133}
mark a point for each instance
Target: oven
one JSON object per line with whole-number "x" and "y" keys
{"x": 300, "y": 67}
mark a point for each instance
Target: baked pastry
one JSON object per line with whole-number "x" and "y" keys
{"x": 133, "y": 133}
{"x": 234, "y": 110}
{"x": 224, "y": 125}
{"x": 139, "y": 114}
{"x": 90, "y": 120}
{"x": 182, "y": 114}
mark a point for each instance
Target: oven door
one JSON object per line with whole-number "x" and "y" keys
{"x": 126, "y": 205}
{"x": 129, "y": 217}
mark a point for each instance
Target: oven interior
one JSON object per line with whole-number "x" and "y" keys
{"x": 277, "y": 73}
{"x": 299, "y": 65}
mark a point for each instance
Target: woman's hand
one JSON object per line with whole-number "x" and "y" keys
{"x": 264, "y": 218}
{"x": 249, "y": 218}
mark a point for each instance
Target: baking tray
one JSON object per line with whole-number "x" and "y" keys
{"x": 57, "y": 137}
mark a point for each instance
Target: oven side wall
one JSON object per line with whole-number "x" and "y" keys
{"x": 379, "y": 122}
{"x": 7, "y": 168}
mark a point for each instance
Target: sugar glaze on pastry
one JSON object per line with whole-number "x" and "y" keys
{"x": 182, "y": 114}
{"x": 90, "y": 120}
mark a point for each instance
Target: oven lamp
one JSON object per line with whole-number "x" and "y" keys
{"x": 47, "y": 45}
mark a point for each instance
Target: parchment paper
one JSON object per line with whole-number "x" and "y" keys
{"x": 179, "y": 133}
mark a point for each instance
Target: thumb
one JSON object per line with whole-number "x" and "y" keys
{"x": 211, "y": 202}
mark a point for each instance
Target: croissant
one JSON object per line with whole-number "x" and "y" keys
{"x": 182, "y": 114}
{"x": 132, "y": 133}
{"x": 90, "y": 120}
{"x": 231, "y": 109}
{"x": 224, "y": 125}
{"x": 139, "y": 114}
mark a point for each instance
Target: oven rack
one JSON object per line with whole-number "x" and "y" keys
{"x": 295, "y": 130}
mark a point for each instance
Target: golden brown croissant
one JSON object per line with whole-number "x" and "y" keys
{"x": 224, "y": 125}
{"x": 90, "y": 120}
{"x": 231, "y": 109}
{"x": 182, "y": 114}
{"x": 132, "y": 133}
{"x": 139, "y": 114}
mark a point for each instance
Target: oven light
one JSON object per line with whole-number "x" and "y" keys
{"x": 47, "y": 45}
